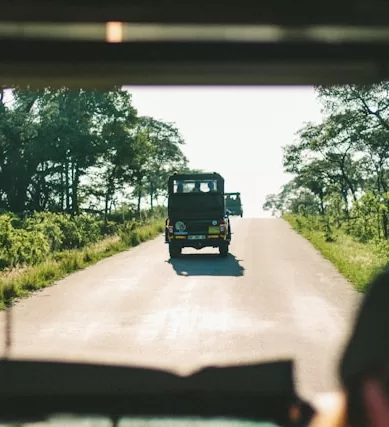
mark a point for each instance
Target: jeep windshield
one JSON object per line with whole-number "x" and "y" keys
{"x": 38, "y": 391}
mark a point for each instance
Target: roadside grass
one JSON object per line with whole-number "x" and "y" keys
{"x": 21, "y": 282}
{"x": 357, "y": 262}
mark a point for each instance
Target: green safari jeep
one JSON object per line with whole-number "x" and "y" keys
{"x": 197, "y": 215}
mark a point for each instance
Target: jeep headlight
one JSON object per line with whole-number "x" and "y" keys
{"x": 180, "y": 226}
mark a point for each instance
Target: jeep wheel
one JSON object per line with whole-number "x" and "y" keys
{"x": 174, "y": 251}
{"x": 223, "y": 249}
{"x": 229, "y": 234}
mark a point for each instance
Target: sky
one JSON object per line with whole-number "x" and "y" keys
{"x": 235, "y": 131}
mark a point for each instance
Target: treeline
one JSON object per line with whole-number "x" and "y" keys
{"x": 71, "y": 151}
{"x": 340, "y": 166}
{"x": 78, "y": 166}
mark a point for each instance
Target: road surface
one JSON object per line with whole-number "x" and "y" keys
{"x": 273, "y": 297}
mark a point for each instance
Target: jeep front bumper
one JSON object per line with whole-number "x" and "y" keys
{"x": 197, "y": 240}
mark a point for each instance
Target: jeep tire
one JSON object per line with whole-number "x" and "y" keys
{"x": 174, "y": 250}
{"x": 223, "y": 250}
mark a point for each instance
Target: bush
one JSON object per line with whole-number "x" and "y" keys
{"x": 108, "y": 229}
{"x": 49, "y": 224}
{"x": 64, "y": 231}
{"x": 21, "y": 246}
{"x": 30, "y": 241}
{"x": 62, "y": 263}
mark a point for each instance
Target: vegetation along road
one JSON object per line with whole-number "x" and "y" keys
{"x": 339, "y": 196}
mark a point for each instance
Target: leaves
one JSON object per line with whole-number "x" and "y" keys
{"x": 340, "y": 165}
{"x": 66, "y": 150}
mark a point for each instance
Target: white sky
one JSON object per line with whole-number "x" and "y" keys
{"x": 237, "y": 132}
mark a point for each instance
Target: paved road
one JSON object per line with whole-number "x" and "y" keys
{"x": 274, "y": 296}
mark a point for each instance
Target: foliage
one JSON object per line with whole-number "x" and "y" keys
{"x": 66, "y": 151}
{"x": 34, "y": 239}
{"x": 340, "y": 168}
{"x": 21, "y": 282}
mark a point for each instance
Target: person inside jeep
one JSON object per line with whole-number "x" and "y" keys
{"x": 211, "y": 186}
{"x": 180, "y": 187}
{"x": 196, "y": 188}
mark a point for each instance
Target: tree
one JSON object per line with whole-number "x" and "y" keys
{"x": 162, "y": 157}
{"x": 64, "y": 150}
{"x": 342, "y": 162}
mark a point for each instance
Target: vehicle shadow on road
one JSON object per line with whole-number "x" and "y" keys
{"x": 206, "y": 265}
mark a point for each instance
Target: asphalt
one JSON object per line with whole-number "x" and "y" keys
{"x": 273, "y": 297}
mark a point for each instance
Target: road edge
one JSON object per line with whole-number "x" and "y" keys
{"x": 46, "y": 274}
{"x": 356, "y": 274}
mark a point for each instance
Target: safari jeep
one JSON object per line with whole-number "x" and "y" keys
{"x": 196, "y": 213}
{"x": 234, "y": 204}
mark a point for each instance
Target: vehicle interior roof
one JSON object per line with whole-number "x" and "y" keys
{"x": 298, "y": 54}
{"x": 280, "y": 12}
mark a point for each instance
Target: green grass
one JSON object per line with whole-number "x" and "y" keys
{"x": 357, "y": 262}
{"x": 22, "y": 282}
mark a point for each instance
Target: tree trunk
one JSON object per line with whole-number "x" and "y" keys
{"x": 139, "y": 201}
{"x": 67, "y": 186}
{"x": 75, "y": 183}
{"x": 345, "y": 200}
{"x": 349, "y": 184}
{"x": 151, "y": 196}
{"x": 62, "y": 189}
{"x": 106, "y": 205}
{"x": 385, "y": 225}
